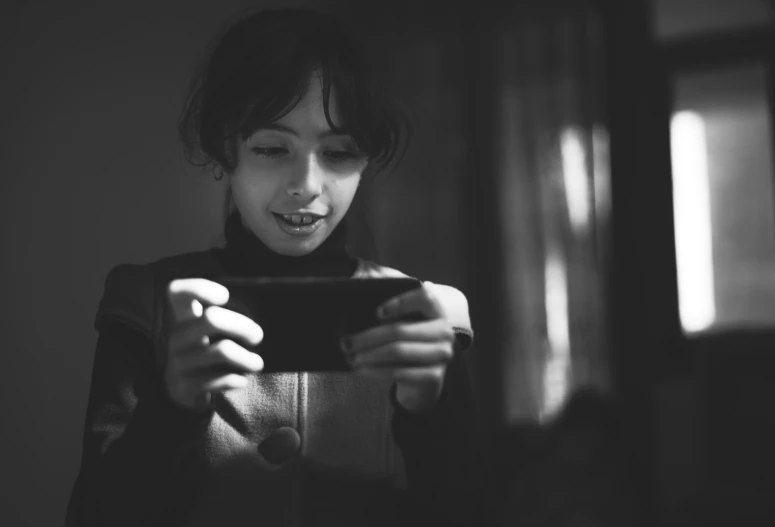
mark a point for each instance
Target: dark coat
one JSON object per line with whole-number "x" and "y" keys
{"x": 289, "y": 449}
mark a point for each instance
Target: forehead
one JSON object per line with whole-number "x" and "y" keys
{"x": 310, "y": 111}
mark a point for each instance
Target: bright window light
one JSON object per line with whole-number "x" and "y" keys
{"x": 693, "y": 236}
{"x": 577, "y": 182}
{"x": 556, "y": 371}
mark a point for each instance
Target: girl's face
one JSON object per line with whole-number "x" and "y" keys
{"x": 295, "y": 172}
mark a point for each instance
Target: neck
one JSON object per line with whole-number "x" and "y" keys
{"x": 246, "y": 255}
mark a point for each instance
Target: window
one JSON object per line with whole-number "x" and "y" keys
{"x": 724, "y": 198}
{"x": 719, "y": 55}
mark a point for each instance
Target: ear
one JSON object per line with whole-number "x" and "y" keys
{"x": 219, "y": 172}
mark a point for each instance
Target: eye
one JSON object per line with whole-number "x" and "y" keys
{"x": 271, "y": 152}
{"x": 339, "y": 156}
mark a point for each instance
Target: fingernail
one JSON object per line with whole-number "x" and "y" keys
{"x": 384, "y": 310}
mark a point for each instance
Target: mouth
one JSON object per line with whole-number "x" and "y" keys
{"x": 301, "y": 224}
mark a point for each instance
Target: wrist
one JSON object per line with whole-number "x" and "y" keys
{"x": 417, "y": 398}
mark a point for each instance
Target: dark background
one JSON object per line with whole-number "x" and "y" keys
{"x": 676, "y": 429}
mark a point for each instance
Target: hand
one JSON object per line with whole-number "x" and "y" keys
{"x": 414, "y": 354}
{"x": 195, "y": 367}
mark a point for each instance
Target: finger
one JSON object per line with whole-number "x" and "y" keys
{"x": 223, "y": 356}
{"x": 197, "y": 392}
{"x": 405, "y": 354}
{"x": 420, "y": 301}
{"x": 219, "y": 382}
{"x": 427, "y": 331}
{"x": 189, "y": 334}
{"x": 416, "y": 374}
{"x": 186, "y": 296}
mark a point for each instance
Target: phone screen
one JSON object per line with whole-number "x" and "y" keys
{"x": 304, "y": 319}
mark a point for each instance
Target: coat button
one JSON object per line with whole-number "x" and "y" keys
{"x": 281, "y": 445}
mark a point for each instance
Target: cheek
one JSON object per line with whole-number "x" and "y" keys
{"x": 251, "y": 191}
{"x": 342, "y": 195}
{"x": 347, "y": 188}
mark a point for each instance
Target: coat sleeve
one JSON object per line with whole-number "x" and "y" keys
{"x": 448, "y": 471}
{"x": 135, "y": 440}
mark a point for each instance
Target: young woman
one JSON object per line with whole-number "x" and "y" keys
{"x": 285, "y": 111}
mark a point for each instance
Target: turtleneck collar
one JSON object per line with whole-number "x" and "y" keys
{"x": 246, "y": 255}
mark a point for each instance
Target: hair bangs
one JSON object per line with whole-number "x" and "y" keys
{"x": 261, "y": 69}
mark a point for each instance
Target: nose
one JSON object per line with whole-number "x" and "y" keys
{"x": 306, "y": 180}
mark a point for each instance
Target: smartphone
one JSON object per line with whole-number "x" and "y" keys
{"x": 304, "y": 319}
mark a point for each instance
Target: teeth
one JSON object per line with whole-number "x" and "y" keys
{"x": 298, "y": 219}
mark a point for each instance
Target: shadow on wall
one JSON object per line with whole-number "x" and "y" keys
{"x": 738, "y": 426}
{"x": 91, "y": 95}
{"x": 570, "y": 472}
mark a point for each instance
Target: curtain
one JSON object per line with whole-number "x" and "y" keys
{"x": 552, "y": 181}
{"x": 504, "y": 193}
{"x": 551, "y": 199}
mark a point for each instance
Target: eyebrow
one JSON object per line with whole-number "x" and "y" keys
{"x": 285, "y": 129}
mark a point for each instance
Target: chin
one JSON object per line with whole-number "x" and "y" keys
{"x": 300, "y": 248}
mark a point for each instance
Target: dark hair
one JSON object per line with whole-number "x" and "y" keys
{"x": 259, "y": 70}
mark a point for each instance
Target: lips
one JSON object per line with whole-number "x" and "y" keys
{"x": 298, "y": 226}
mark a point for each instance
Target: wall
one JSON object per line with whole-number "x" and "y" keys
{"x": 93, "y": 177}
